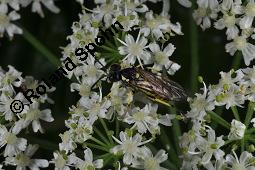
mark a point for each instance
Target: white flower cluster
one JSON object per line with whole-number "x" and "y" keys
{"x": 234, "y": 16}
{"x": 16, "y": 150}
{"x": 9, "y": 13}
{"x": 145, "y": 40}
{"x": 210, "y": 112}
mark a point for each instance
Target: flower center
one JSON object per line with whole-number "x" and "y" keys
{"x": 60, "y": 162}
{"x": 152, "y": 23}
{"x": 130, "y": 147}
{"x": 10, "y": 138}
{"x": 229, "y": 20}
{"x": 135, "y": 49}
{"x": 92, "y": 71}
{"x": 250, "y": 9}
{"x": 240, "y": 43}
{"x": 238, "y": 166}
{"x": 22, "y": 160}
{"x": 160, "y": 58}
{"x": 201, "y": 12}
{"x": 140, "y": 116}
{"x": 84, "y": 90}
{"x": 33, "y": 114}
{"x": 150, "y": 164}
{"x": 4, "y": 20}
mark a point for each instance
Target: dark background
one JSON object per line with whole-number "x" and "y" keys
{"x": 52, "y": 32}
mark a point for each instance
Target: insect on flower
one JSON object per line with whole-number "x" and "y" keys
{"x": 157, "y": 88}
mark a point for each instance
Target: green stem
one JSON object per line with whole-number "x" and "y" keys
{"x": 237, "y": 60}
{"x": 194, "y": 55}
{"x": 101, "y": 136}
{"x": 219, "y": 119}
{"x": 165, "y": 140}
{"x": 40, "y": 47}
{"x": 98, "y": 142}
{"x": 103, "y": 156}
{"x": 236, "y": 114}
{"x": 251, "y": 130}
{"x": 97, "y": 147}
{"x": 249, "y": 114}
{"x": 176, "y": 129}
{"x": 108, "y": 49}
{"x": 117, "y": 126}
{"x": 106, "y": 130}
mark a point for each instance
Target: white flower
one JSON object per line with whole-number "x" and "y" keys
{"x": 120, "y": 97}
{"x": 228, "y": 21}
{"x": 134, "y": 50}
{"x": 129, "y": 146}
{"x": 210, "y": 146}
{"x": 200, "y": 105}
{"x": 143, "y": 119}
{"x": 88, "y": 163}
{"x": 33, "y": 115}
{"x": 150, "y": 162}
{"x": 12, "y": 142}
{"x": 36, "y": 6}
{"x": 153, "y": 26}
{"x": 237, "y": 130}
{"x": 243, "y": 163}
{"x": 207, "y": 9}
{"x": 6, "y": 25}
{"x": 95, "y": 105}
{"x": 23, "y": 159}
{"x": 63, "y": 161}
{"x": 80, "y": 129}
{"x": 247, "y": 19}
{"x": 67, "y": 143}
{"x": 161, "y": 58}
{"x": 91, "y": 71}
{"x": 5, "y": 105}
{"x": 240, "y": 43}
{"x": 12, "y": 3}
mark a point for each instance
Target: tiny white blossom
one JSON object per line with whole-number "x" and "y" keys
{"x": 88, "y": 163}
{"x": 12, "y": 142}
{"x": 6, "y": 25}
{"x": 237, "y": 130}
{"x": 36, "y": 6}
{"x": 135, "y": 50}
{"x": 129, "y": 146}
{"x": 244, "y": 162}
{"x": 23, "y": 159}
{"x": 247, "y": 19}
{"x": 240, "y": 43}
{"x": 149, "y": 161}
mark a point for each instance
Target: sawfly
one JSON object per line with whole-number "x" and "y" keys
{"x": 157, "y": 88}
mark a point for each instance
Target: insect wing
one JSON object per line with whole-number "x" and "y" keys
{"x": 160, "y": 87}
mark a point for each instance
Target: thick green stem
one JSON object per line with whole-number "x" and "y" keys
{"x": 101, "y": 136}
{"x": 169, "y": 147}
{"x": 106, "y": 130}
{"x": 219, "y": 119}
{"x": 249, "y": 114}
{"x": 235, "y": 112}
{"x": 194, "y": 65}
{"x": 97, "y": 147}
{"x": 41, "y": 48}
{"x": 176, "y": 130}
{"x": 237, "y": 60}
{"x": 98, "y": 142}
